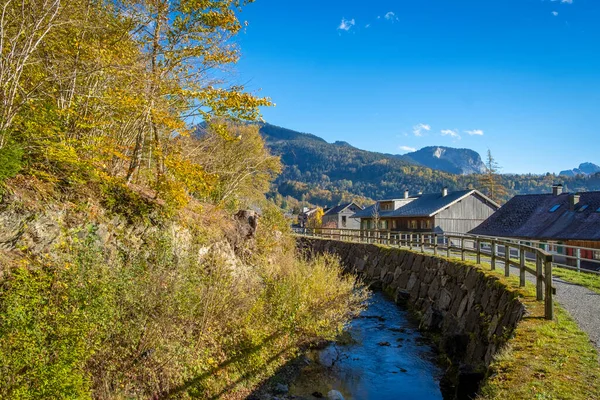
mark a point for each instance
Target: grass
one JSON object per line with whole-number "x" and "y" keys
{"x": 544, "y": 359}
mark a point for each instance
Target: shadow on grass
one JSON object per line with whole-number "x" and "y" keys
{"x": 244, "y": 378}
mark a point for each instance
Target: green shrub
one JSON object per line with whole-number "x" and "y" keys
{"x": 11, "y": 161}
{"x": 160, "y": 321}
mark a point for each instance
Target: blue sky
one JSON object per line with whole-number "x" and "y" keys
{"x": 518, "y": 77}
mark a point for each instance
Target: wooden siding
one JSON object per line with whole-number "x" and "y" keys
{"x": 335, "y": 220}
{"x": 464, "y": 215}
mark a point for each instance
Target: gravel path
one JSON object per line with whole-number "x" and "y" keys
{"x": 583, "y": 305}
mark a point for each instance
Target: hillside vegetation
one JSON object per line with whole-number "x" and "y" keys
{"x": 324, "y": 173}
{"x": 125, "y": 269}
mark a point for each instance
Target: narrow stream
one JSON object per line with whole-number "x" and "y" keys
{"x": 383, "y": 357}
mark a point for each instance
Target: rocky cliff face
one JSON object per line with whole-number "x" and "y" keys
{"x": 456, "y": 161}
{"x": 473, "y": 313}
{"x": 38, "y": 232}
{"x": 587, "y": 168}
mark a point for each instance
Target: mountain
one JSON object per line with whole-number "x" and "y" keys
{"x": 326, "y": 173}
{"x": 586, "y": 168}
{"x": 455, "y": 161}
{"x": 322, "y": 173}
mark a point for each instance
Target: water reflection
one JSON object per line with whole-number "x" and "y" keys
{"x": 383, "y": 357}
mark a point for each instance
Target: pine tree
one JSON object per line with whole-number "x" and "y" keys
{"x": 490, "y": 181}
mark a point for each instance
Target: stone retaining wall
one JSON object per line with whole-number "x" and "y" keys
{"x": 473, "y": 313}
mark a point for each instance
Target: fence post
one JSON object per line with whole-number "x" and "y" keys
{"x": 578, "y": 253}
{"x": 493, "y": 256}
{"x": 548, "y": 275}
{"x": 522, "y": 266}
{"x": 539, "y": 288}
{"x": 435, "y": 244}
{"x": 410, "y": 241}
{"x": 462, "y": 248}
{"x": 506, "y": 259}
{"x": 448, "y": 245}
{"x": 422, "y": 243}
{"x": 478, "y": 244}
{"x": 389, "y": 235}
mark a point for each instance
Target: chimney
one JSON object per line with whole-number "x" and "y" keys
{"x": 573, "y": 201}
{"x": 406, "y": 194}
{"x": 420, "y": 192}
{"x": 557, "y": 190}
{"x": 444, "y": 192}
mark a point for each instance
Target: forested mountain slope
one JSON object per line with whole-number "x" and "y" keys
{"x": 323, "y": 173}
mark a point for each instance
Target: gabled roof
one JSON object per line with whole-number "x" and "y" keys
{"x": 339, "y": 208}
{"x": 309, "y": 212}
{"x": 426, "y": 205}
{"x": 529, "y": 217}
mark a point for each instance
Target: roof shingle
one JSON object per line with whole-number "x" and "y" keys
{"x": 529, "y": 217}
{"x": 425, "y": 205}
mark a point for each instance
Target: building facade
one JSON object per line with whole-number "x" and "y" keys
{"x": 456, "y": 212}
{"x": 342, "y": 217}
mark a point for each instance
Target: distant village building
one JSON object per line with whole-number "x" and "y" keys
{"x": 342, "y": 216}
{"x": 457, "y": 212}
{"x": 557, "y": 218}
{"x": 305, "y": 215}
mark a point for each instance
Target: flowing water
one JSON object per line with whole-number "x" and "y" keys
{"x": 382, "y": 357}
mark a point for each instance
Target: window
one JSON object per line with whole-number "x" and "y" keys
{"x": 343, "y": 220}
{"x": 583, "y": 208}
{"x": 413, "y": 224}
{"x": 556, "y": 207}
{"x": 386, "y": 207}
{"x": 597, "y": 255}
{"x": 394, "y": 224}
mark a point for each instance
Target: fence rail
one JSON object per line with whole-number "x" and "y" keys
{"x": 510, "y": 253}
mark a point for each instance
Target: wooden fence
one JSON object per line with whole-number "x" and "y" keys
{"x": 513, "y": 254}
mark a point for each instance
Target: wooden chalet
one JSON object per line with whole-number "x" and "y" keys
{"x": 456, "y": 212}
{"x": 342, "y": 216}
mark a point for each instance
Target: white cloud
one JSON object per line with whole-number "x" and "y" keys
{"x": 567, "y": 1}
{"x": 347, "y": 24}
{"x": 407, "y": 148}
{"x": 477, "y": 132}
{"x": 420, "y": 129}
{"x": 391, "y": 16}
{"x": 367, "y": 25}
{"x": 453, "y": 133}
{"x": 555, "y": 13}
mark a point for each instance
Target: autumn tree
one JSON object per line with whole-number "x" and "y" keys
{"x": 184, "y": 43}
{"x": 316, "y": 219}
{"x": 24, "y": 25}
{"x": 490, "y": 181}
{"x": 243, "y": 167}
